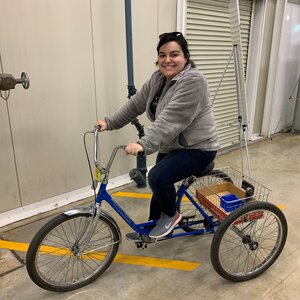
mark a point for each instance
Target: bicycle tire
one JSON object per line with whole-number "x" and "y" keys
{"x": 248, "y": 241}
{"x": 51, "y": 260}
{"x": 189, "y": 212}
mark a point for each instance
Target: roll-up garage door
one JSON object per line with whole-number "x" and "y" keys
{"x": 209, "y": 37}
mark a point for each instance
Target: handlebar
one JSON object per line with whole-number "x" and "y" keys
{"x": 104, "y": 170}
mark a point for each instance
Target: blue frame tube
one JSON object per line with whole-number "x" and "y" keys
{"x": 145, "y": 228}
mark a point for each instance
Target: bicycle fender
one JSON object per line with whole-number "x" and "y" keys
{"x": 79, "y": 210}
{"x": 89, "y": 210}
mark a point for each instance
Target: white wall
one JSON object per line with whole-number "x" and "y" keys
{"x": 51, "y": 41}
{"x": 285, "y": 74}
{"x": 74, "y": 52}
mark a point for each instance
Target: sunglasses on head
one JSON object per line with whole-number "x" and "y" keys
{"x": 175, "y": 34}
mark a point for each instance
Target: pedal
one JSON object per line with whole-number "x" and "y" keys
{"x": 141, "y": 245}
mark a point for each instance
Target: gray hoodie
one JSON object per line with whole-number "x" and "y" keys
{"x": 184, "y": 115}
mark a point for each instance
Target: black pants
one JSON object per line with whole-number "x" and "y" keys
{"x": 169, "y": 169}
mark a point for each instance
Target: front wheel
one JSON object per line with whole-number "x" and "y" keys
{"x": 248, "y": 241}
{"x": 56, "y": 259}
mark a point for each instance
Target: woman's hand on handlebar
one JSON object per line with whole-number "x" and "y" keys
{"x": 102, "y": 124}
{"x": 134, "y": 149}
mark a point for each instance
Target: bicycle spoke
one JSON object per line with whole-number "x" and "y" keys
{"x": 60, "y": 260}
{"x": 247, "y": 247}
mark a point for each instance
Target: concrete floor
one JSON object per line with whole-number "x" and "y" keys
{"x": 275, "y": 163}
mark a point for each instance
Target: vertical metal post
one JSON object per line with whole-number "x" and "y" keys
{"x": 128, "y": 25}
{"x": 234, "y": 15}
{"x": 138, "y": 174}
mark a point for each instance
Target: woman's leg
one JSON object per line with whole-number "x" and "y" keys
{"x": 155, "y": 207}
{"x": 169, "y": 169}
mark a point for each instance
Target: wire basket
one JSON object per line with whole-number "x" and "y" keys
{"x": 227, "y": 189}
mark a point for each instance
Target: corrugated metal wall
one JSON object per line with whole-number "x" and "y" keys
{"x": 209, "y": 36}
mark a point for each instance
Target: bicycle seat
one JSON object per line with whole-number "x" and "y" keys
{"x": 206, "y": 171}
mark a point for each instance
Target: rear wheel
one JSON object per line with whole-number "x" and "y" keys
{"x": 248, "y": 241}
{"x": 56, "y": 260}
{"x": 192, "y": 219}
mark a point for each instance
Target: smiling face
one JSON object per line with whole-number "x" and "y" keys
{"x": 171, "y": 60}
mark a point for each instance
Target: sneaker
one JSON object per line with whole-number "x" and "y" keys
{"x": 165, "y": 225}
{"x": 138, "y": 238}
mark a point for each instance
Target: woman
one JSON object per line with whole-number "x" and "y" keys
{"x": 176, "y": 100}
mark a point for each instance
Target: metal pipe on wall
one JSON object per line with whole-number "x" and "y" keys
{"x": 139, "y": 173}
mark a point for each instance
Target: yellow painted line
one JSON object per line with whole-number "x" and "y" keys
{"x": 281, "y": 206}
{"x": 157, "y": 262}
{"x": 120, "y": 258}
{"x": 13, "y": 246}
{"x": 132, "y": 195}
{"x": 137, "y": 195}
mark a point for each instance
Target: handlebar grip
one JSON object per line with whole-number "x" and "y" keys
{"x": 142, "y": 153}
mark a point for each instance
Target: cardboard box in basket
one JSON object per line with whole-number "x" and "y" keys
{"x": 210, "y": 198}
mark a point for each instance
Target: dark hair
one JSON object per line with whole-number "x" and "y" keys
{"x": 179, "y": 39}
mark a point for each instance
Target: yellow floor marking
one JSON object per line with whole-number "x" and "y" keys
{"x": 157, "y": 262}
{"x": 138, "y": 195}
{"x": 120, "y": 258}
{"x": 281, "y": 206}
{"x": 13, "y": 246}
{"x": 132, "y": 195}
